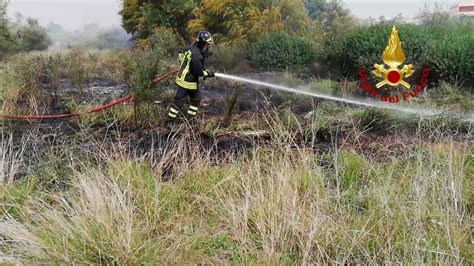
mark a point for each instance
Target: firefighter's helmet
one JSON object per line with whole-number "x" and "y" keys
{"x": 204, "y": 37}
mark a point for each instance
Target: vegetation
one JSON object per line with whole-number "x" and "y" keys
{"x": 280, "y": 50}
{"x": 235, "y": 22}
{"x": 31, "y": 37}
{"x": 34, "y": 83}
{"x": 331, "y": 16}
{"x": 436, "y": 44}
{"x": 141, "y": 17}
{"x": 264, "y": 177}
{"x": 20, "y": 37}
{"x": 280, "y": 205}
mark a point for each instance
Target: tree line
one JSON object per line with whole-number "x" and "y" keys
{"x": 234, "y": 21}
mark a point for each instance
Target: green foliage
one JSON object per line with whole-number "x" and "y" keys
{"x": 228, "y": 58}
{"x": 331, "y": 16}
{"x": 452, "y": 58}
{"x": 166, "y": 39}
{"x": 145, "y": 65}
{"x": 31, "y": 37}
{"x": 316, "y": 8}
{"x": 363, "y": 47}
{"x": 141, "y": 17}
{"x": 6, "y": 39}
{"x": 22, "y": 37}
{"x": 237, "y": 22}
{"x": 280, "y": 50}
{"x": 443, "y": 46}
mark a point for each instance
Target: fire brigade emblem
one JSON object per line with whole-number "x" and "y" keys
{"x": 393, "y": 56}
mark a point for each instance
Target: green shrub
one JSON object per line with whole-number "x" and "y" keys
{"x": 145, "y": 65}
{"x": 452, "y": 59}
{"x": 279, "y": 50}
{"x": 166, "y": 39}
{"x": 31, "y": 37}
{"x": 444, "y": 47}
{"x": 364, "y": 46}
{"x": 227, "y": 58}
{"x": 21, "y": 37}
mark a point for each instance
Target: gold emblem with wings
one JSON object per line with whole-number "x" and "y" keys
{"x": 393, "y": 56}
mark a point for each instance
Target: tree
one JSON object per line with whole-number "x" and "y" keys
{"x": 239, "y": 21}
{"x": 19, "y": 37}
{"x": 141, "y": 17}
{"x": 31, "y": 37}
{"x": 331, "y": 16}
{"x": 316, "y": 8}
{"x": 5, "y": 35}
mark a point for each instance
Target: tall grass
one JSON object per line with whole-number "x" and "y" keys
{"x": 186, "y": 202}
{"x": 33, "y": 83}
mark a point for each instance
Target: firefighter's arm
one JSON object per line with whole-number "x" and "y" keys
{"x": 198, "y": 69}
{"x": 196, "y": 66}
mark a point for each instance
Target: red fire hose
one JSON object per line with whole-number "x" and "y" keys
{"x": 95, "y": 110}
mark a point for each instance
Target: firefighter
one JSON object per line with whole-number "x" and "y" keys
{"x": 187, "y": 81}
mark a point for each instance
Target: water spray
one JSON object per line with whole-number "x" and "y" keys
{"x": 367, "y": 103}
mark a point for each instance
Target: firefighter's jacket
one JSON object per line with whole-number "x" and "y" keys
{"x": 192, "y": 67}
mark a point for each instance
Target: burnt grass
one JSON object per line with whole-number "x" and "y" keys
{"x": 223, "y": 102}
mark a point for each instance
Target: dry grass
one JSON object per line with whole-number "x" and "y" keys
{"x": 184, "y": 203}
{"x": 95, "y": 199}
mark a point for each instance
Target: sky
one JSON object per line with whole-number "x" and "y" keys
{"x": 390, "y": 8}
{"x": 73, "y": 14}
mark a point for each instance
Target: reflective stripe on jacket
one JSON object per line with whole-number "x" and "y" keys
{"x": 192, "y": 67}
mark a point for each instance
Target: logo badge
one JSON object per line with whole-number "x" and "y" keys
{"x": 393, "y": 56}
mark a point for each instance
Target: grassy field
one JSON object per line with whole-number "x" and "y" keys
{"x": 302, "y": 181}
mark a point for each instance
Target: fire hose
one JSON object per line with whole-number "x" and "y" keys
{"x": 95, "y": 110}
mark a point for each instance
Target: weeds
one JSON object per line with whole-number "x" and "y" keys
{"x": 307, "y": 191}
{"x": 270, "y": 205}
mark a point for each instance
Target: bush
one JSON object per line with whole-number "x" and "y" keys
{"x": 444, "y": 47}
{"x": 280, "y": 50}
{"x": 31, "y": 37}
{"x": 452, "y": 60}
{"x": 21, "y": 37}
{"x": 364, "y": 46}
{"x": 6, "y": 40}
{"x": 144, "y": 66}
{"x": 227, "y": 58}
{"x": 166, "y": 39}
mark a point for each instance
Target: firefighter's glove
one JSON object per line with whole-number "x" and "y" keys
{"x": 210, "y": 74}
